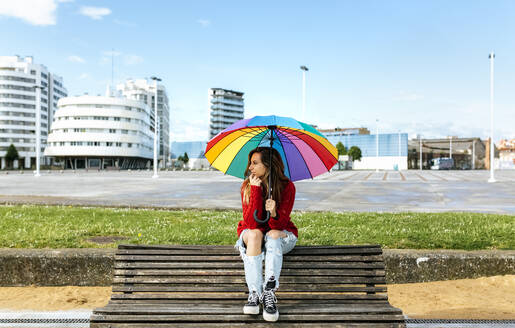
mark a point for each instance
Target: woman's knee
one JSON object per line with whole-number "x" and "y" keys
{"x": 275, "y": 234}
{"x": 254, "y": 236}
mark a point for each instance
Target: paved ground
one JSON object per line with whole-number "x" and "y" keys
{"x": 388, "y": 191}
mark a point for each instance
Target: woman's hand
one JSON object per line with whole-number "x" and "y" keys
{"x": 254, "y": 181}
{"x": 270, "y": 207}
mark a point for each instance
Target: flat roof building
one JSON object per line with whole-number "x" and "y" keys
{"x": 225, "y": 108}
{"x": 102, "y": 132}
{"x": 18, "y": 77}
{"x": 144, "y": 90}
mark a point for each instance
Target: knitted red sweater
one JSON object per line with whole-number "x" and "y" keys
{"x": 256, "y": 202}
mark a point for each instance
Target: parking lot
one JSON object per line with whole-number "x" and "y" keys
{"x": 388, "y": 191}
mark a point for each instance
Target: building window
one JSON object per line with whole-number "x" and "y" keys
{"x": 129, "y": 145}
{"x": 118, "y": 144}
{"x": 116, "y": 118}
{"x": 109, "y": 144}
{"x": 112, "y": 130}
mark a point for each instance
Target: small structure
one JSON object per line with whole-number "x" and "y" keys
{"x": 506, "y": 150}
{"x": 467, "y": 153}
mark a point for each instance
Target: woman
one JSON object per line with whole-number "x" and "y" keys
{"x": 276, "y": 237}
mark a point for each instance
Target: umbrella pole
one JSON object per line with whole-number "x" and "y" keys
{"x": 272, "y": 128}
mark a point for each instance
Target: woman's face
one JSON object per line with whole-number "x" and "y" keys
{"x": 256, "y": 166}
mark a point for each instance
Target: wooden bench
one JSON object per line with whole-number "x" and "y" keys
{"x": 204, "y": 286}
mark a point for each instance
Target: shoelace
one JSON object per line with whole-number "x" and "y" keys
{"x": 253, "y": 298}
{"x": 268, "y": 298}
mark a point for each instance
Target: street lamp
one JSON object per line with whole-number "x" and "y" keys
{"x": 492, "y": 149}
{"x": 156, "y": 79}
{"x": 304, "y": 70}
{"x": 420, "y": 139}
{"x": 38, "y": 127}
{"x": 399, "y": 167}
{"x": 377, "y": 145}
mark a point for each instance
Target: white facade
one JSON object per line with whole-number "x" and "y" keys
{"x": 381, "y": 163}
{"x": 114, "y": 132}
{"x": 144, "y": 91}
{"x": 18, "y": 76}
{"x": 225, "y": 108}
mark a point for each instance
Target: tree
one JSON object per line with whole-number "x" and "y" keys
{"x": 355, "y": 153}
{"x": 341, "y": 148}
{"x": 184, "y": 158}
{"x": 11, "y": 155}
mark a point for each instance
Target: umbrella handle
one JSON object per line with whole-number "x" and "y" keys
{"x": 261, "y": 221}
{"x": 265, "y": 220}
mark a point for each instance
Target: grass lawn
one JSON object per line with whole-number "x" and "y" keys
{"x": 28, "y": 226}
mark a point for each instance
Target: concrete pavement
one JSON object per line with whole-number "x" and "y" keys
{"x": 387, "y": 191}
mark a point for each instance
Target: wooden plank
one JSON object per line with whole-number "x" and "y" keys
{"x": 232, "y": 251}
{"x": 225, "y": 247}
{"x": 233, "y": 272}
{"x": 240, "y": 301}
{"x": 248, "y": 318}
{"x": 237, "y": 258}
{"x": 241, "y": 280}
{"x": 219, "y": 265}
{"x": 233, "y": 288}
{"x": 243, "y": 296}
{"x": 254, "y": 325}
{"x": 232, "y": 308}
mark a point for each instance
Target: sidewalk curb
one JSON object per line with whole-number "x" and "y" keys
{"x": 94, "y": 267}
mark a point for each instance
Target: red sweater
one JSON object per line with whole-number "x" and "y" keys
{"x": 283, "y": 210}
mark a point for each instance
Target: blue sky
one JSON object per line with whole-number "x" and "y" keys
{"x": 417, "y": 66}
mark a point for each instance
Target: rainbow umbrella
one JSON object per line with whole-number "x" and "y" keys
{"x": 305, "y": 152}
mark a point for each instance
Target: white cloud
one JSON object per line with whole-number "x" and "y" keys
{"x": 76, "y": 59}
{"x": 123, "y": 23}
{"x": 65, "y": 1}
{"x": 132, "y": 59}
{"x": 35, "y": 12}
{"x": 83, "y": 76}
{"x": 407, "y": 96}
{"x": 95, "y": 13}
{"x": 188, "y": 129}
{"x": 204, "y": 22}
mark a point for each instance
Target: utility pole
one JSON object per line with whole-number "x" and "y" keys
{"x": 38, "y": 128}
{"x": 156, "y": 145}
{"x": 304, "y": 70}
{"x": 492, "y": 148}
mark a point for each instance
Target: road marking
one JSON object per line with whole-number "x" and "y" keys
{"x": 385, "y": 175}
{"x": 421, "y": 177}
{"x": 402, "y": 176}
{"x": 368, "y": 176}
{"x": 350, "y": 176}
{"x": 436, "y": 176}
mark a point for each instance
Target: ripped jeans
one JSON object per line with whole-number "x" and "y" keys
{"x": 273, "y": 256}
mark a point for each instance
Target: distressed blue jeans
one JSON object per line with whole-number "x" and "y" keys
{"x": 273, "y": 256}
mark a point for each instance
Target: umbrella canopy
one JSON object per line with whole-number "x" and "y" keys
{"x": 305, "y": 152}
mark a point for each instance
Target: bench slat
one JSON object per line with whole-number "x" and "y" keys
{"x": 232, "y": 288}
{"x": 232, "y": 251}
{"x": 243, "y": 296}
{"x": 241, "y": 280}
{"x": 254, "y": 325}
{"x": 237, "y": 258}
{"x": 229, "y": 272}
{"x": 219, "y": 265}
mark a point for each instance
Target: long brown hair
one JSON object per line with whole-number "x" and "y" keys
{"x": 278, "y": 178}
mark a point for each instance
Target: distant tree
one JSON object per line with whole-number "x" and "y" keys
{"x": 185, "y": 158}
{"x": 341, "y": 148}
{"x": 355, "y": 153}
{"x": 11, "y": 155}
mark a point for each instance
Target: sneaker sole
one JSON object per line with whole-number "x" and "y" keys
{"x": 271, "y": 317}
{"x": 251, "y": 310}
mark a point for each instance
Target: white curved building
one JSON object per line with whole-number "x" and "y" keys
{"x": 18, "y": 76}
{"x": 101, "y": 132}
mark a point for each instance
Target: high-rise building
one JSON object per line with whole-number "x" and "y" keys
{"x": 225, "y": 107}
{"x": 18, "y": 77}
{"x": 144, "y": 91}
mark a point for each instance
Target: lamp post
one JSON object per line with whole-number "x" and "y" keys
{"x": 450, "y": 147}
{"x": 156, "y": 79}
{"x": 304, "y": 70}
{"x": 399, "y": 167}
{"x": 420, "y": 139}
{"x": 492, "y": 149}
{"x": 38, "y": 127}
{"x": 377, "y": 145}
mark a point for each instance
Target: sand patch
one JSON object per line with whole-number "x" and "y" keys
{"x": 483, "y": 298}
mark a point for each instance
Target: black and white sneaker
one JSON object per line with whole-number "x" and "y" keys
{"x": 270, "y": 311}
{"x": 252, "y": 306}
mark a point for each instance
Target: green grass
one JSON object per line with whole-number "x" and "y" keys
{"x": 24, "y": 226}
